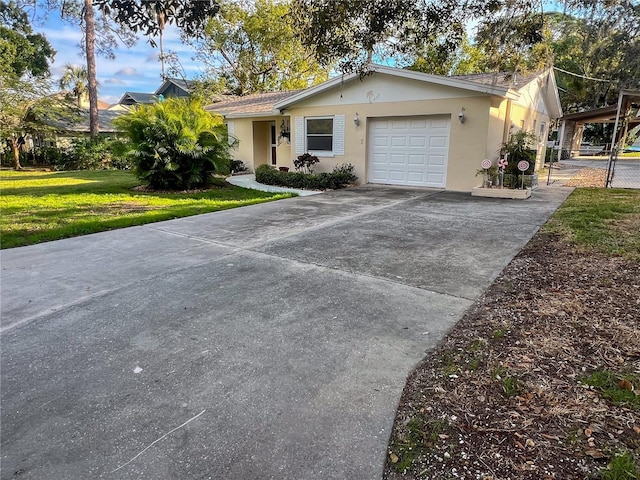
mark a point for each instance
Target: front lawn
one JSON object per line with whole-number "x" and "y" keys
{"x": 41, "y": 206}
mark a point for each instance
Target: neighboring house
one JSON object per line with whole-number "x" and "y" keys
{"x": 171, "y": 87}
{"x": 137, "y": 98}
{"x": 78, "y": 128}
{"x": 395, "y": 126}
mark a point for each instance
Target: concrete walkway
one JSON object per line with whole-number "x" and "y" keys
{"x": 267, "y": 342}
{"x": 249, "y": 181}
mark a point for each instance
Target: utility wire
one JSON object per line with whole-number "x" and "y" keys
{"x": 582, "y": 76}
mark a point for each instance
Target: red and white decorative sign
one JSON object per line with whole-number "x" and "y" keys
{"x": 502, "y": 164}
{"x": 523, "y": 165}
{"x": 486, "y": 163}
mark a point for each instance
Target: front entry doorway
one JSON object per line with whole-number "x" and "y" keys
{"x": 273, "y": 143}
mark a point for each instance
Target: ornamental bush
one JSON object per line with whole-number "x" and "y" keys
{"x": 176, "y": 144}
{"x": 340, "y": 177}
{"x": 306, "y": 162}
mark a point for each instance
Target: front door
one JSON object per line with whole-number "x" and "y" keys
{"x": 273, "y": 142}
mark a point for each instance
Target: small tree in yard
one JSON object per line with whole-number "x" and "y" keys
{"x": 306, "y": 162}
{"x": 176, "y": 144}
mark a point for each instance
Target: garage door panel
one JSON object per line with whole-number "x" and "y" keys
{"x": 397, "y": 141}
{"x": 437, "y": 160}
{"x": 444, "y": 124}
{"x": 397, "y": 175}
{"x": 438, "y": 142}
{"x": 397, "y": 158}
{"x": 435, "y": 178}
{"x": 399, "y": 124}
{"x": 380, "y": 159}
{"x": 416, "y": 177}
{"x": 409, "y": 150}
{"x": 380, "y": 141}
{"x": 417, "y": 160}
{"x": 417, "y": 142}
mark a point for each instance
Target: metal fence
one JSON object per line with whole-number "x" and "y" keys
{"x": 617, "y": 171}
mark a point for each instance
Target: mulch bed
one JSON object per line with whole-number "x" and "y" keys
{"x": 504, "y": 396}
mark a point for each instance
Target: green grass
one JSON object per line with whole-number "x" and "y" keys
{"x": 41, "y": 206}
{"x": 608, "y": 385}
{"x": 606, "y": 220}
{"x": 622, "y": 467}
{"x": 421, "y": 436}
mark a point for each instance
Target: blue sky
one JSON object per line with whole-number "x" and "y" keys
{"x": 135, "y": 69}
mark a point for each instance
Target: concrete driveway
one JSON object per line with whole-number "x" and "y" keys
{"x": 267, "y": 342}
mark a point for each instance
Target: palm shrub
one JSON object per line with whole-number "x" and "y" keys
{"x": 176, "y": 144}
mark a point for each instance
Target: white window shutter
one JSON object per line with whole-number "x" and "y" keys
{"x": 231, "y": 130}
{"x": 299, "y": 126}
{"x": 338, "y": 135}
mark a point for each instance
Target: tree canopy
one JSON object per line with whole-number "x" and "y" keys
{"x": 150, "y": 17}
{"x": 358, "y": 31}
{"x": 256, "y": 49}
{"x": 591, "y": 38}
{"x": 22, "y": 52}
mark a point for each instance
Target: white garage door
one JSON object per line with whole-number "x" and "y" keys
{"x": 409, "y": 150}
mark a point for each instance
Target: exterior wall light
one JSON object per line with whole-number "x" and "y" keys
{"x": 461, "y": 116}
{"x": 356, "y": 120}
{"x": 285, "y": 133}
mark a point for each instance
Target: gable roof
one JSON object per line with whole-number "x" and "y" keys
{"x": 489, "y": 89}
{"x": 503, "y": 85}
{"x": 178, "y": 82}
{"x": 137, "y": 97}
{"x": 256, "y": 104}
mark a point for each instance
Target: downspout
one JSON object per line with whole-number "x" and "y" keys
{"x": 507, "y": 123}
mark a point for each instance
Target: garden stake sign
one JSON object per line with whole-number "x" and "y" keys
{"x": 486, "y": 165}
{"x": 502, "y": 165}
{"x": 523, "y": 166}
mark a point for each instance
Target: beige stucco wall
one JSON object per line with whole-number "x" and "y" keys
{"x": 496, "y": 132}
{"x": 467, "y": 141}
{"x": 252, "y": 136}
{"x": 486, "y": 127}
{"x": 529, "y": 113}
{"x": 243, "y": 133}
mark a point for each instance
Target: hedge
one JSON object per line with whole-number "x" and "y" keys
{"x": 340, "y": 177}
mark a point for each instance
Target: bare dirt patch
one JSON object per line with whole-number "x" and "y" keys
{"x": 588, "y": 177}
{"x": 507, "y": 394}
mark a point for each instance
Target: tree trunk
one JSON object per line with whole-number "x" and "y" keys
{"x": 16, "y": 154}
{"x": 90, "y": 40}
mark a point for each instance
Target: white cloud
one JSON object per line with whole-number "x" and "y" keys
{"x": 128, "y": 71}
{"x": 134, "y": 69}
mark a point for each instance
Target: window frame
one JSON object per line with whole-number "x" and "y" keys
{"x": 320, "y": 153}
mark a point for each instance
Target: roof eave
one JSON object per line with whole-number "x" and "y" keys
{"x": 273, "y": 113}
{"x": 424, "y": 77}
{"x": 555, "y": 107}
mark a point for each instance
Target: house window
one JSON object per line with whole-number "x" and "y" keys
{"x": 319, "y": 134}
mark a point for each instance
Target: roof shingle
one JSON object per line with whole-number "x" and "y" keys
{"x": 255, "y": 103}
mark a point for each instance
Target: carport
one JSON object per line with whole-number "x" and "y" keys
{"x": 625, "y": 115}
